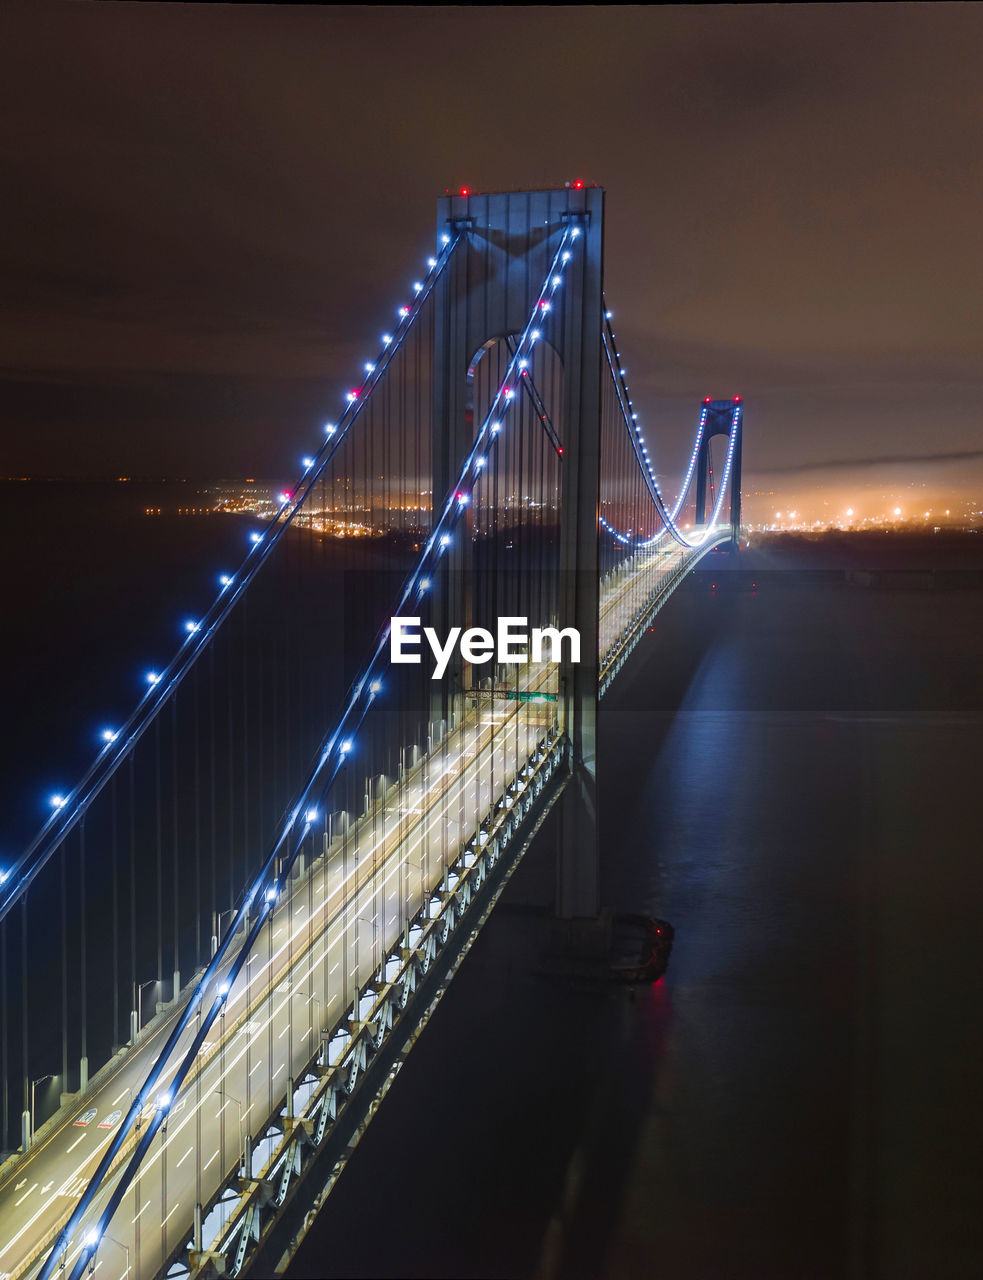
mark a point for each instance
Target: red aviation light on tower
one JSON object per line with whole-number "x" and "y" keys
{"x": 738, "y": 399}
{"x": 706, "y": 399}
{"x": 578, "y": 184}
{"x": 465, "y": 191}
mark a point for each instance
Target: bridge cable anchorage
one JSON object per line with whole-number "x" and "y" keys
{"x": 323, "y": 774}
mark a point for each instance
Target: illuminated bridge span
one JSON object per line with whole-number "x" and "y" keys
{"x": 221, "y": 945}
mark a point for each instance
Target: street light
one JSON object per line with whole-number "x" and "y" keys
{"x": 34, "y": 1084}
{"x": 119, "y": 1245}
{"x": 136, "y": 1013}
{"x": 316, "y": 1000}
{"x": 217, "y": 918}
{"x": 243, "y": 1149}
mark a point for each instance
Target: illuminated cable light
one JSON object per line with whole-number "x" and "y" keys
{"x": 545, "y": 305}
{"x": 286, "y": 496}
{"x": 609, "y": 315}
{"x": 479, "y": 462}
{"x": 352, "y": 397}
{"x": 375, "y": 687}
{"x": 223, "y": 990}
{"x": 58, "y": 801}
{"x": 424, "y": 584}
{"x": 255, "y": 537}
{"x": 369, "y": 367}
{"x": 3, "y": 876}
{"x": 164, "y": 1100}
{"x": 534, "y": 335}
{"x": 574, "y": 232}
{"x": 523, "y": 363}
{"x": 109, "y": 735}
{"x": 417, "y": 286}
{"x": 445, "y": 239}
{"x": 463, "y": 499}
{"x": 431, "y": 263}
{"x": 345, "y": 746}
{"x": 386, "y": 339}
{"x": 509, "y": 393}
{"x": 329, "y": 428}
{"x": 224, "y": 580}
{"x": 311, "y": 815}
{"x": 496, "y": 428}
{"x": 307, "y": 463}
{"x": 445, "y": 539}
{"x": 556, "y": 282}
{"x": 403, "y": 312}
{"x": 566, "y": 255}
{"x": 153, "y": 677}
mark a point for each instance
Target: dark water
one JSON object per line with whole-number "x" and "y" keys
{"x": 790, "y": 774}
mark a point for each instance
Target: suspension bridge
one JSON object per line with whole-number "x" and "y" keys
{"x": 221, "y": 945}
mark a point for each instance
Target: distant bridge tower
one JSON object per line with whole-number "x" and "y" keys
{"x": 485, "y": 296}
{"x": 720, "y": 418}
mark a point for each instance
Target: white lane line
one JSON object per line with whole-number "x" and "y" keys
{"x": 122, "y": 1095}
{"x": 25, "y": 1195}
{"x": 145, "y": 1207}
{"x": 173, "y": 1211}
{"x": 211, "y": 1161}
{"x": 257, "y": 1067}
{"x": 435, "y": 817}
{"x": 80, "y": 1138}
{"x": 184, "y": 1157}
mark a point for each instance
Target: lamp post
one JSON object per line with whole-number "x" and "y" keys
{"x": 243, "y": 1147}
{"x": 93, "y": 1241}
{"x": 316, "y": 1000}
{"x": 34, "y": 1084}
{"x": 136, "y": 1013}
{"x": 217, "y": 918}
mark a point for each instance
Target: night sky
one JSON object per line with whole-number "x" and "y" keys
{"x": 209, "y": 214}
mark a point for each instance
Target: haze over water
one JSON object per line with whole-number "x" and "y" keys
{"x": 788, "y": 774}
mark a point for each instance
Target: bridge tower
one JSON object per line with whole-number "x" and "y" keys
{"x": 487, "y": 294}
{"x": 720, "y": 417}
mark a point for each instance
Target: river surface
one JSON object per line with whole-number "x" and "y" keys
{"x": 790, "y": 774}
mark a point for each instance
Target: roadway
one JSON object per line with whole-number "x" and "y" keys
{"x": 324, "y": 941}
